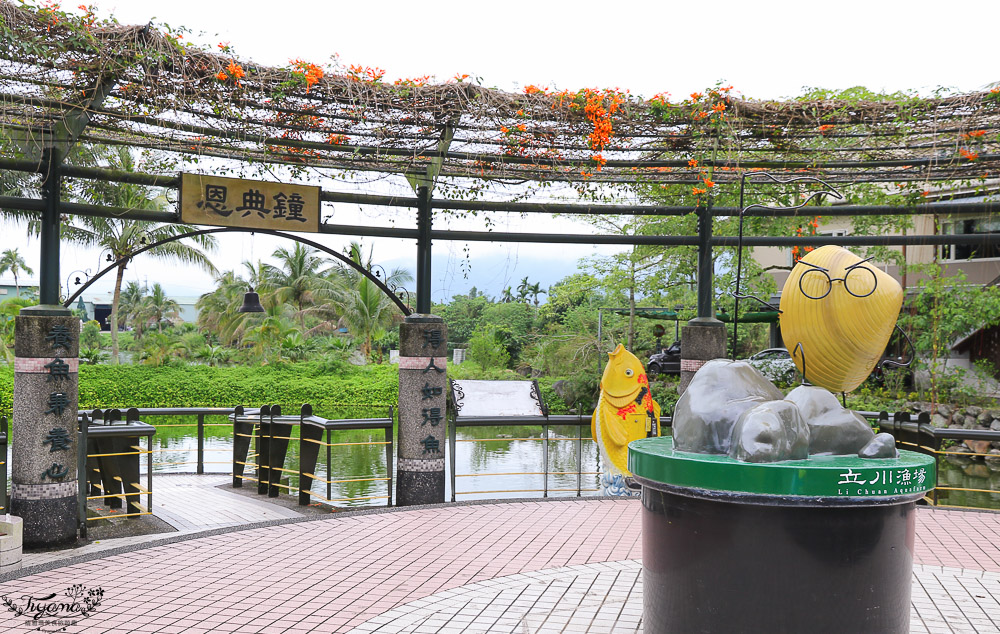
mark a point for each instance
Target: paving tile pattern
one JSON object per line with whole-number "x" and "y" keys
{"x": 607, "y": 598}
{"x": 332, "y": 575}
{"x": 191, "y": 504}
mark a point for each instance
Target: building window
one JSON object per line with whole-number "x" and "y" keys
{"x": 970, "y": 226}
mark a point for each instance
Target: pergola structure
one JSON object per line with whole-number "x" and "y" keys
{"x": 66, "y": 78}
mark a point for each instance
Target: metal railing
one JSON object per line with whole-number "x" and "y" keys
{"x": 200, "y": 413}
{"x": 920, "y": 435}
{"x": 545, "y": 422}
{"x": 261, "y": 438}
{"x": 4, "y": 500}
{"x": 109, "y": 473}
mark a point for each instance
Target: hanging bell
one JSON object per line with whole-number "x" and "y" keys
{"x": 251, "y": 303}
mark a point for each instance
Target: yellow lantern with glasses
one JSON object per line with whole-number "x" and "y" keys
{"x": 837, "y": 314}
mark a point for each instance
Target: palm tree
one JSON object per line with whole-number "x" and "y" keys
{"x": 506, "y": 296}
{"x": 130, "y": 307}
{"x": 297, "y": 279}
{"x": 122, "y": 237}
{"x": 12, "y": 261}
{"x": 522, "y": 290}
{"x": 363, "y": 308}
{"x": 534, "y": 290}
{"x": 158, "y": 306}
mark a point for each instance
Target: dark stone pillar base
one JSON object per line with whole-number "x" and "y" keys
{"x": 702, "y": 340}
{"x": 423, "y": 386}
{"x": 419, "y": 487}
{"x": 47, "y": 521}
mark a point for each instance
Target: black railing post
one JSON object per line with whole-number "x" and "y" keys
{"x": 82, "y": 475}
{"x": 388, "y": 455}
{"x": 705, "y": 262}
{"x": 3, "y": 467}
{"x": 48, "y": 277}
{"x": 423, "y": 250}
{"x": 201, "y": 444}
{"x": 329, "y": 476}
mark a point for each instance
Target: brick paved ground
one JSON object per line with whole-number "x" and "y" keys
{"x": 332, "y": 575}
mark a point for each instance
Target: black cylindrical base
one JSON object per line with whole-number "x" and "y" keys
{"x": 751, "y": 563}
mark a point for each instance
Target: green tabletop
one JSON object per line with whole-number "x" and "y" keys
{"x": 656, "y": 461}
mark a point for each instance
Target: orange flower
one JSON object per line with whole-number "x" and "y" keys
{"x": 719, "y": 107}
{"x": 709, "y": 183}
{"x": 504, "y": 129}
{"x": 693, "y": 163}
{"x": 826, "y": 127}
{"x": 925, "y": 193}
{"x": 969, "y": 155}
{"x": 235, "y": 70}
{"x": 695, "y": 96}
{"x": 698, "y": 191}
{"x": 994, "y": 91}
{"x": 461, "y": 77}
{"x": 222, "y": 76}
{"x": 974, "y": 134}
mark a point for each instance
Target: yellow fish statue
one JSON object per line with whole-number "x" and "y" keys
{"x": 625, "y": 412}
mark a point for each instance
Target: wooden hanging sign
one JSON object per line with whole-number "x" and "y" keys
{"x": 237, "y": 202}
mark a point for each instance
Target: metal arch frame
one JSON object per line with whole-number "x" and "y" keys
{"x": 281, "y": 234}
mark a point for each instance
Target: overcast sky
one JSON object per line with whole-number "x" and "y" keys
{"x": 764, "y": 49}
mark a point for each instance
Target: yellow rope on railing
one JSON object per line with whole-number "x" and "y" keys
{"x": 346, "y": 444}
{"x": 971, "y": 490}
{"x": 124, "y": 453}
{"x": 372, "y": 497}
{"x": 111, "y": 517}
{"x": 115, "y": 495}
{"x": 501, "y": 491}
{"x": 318, "y": 479}
{"x": 493, "y": 439}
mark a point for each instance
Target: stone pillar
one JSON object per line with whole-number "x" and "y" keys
{"x": 702, "y": 340}
{"x": 44, "y": 430}
{"x": 423, "y": 346}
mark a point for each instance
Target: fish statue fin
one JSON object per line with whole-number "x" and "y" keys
{"x": 614, "y": 431}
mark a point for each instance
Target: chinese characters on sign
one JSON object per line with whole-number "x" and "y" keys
{"x": 56, "y": 472}
{"x": 428, "y": 391}
{"x": 59, "y": 337}
{"x": 431, "y": 444}
{"x": 882, "y": 481}
{"x": 433, "y": 339}
{"x": 58, "y": 438}
{"x": 431, "y": 366}
{"x": 235, "y": 202}
{"x": 431, "y": 415}
{"x": 58, "y": 370}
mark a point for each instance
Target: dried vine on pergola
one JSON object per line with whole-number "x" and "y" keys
{"x": 155, "y": 91}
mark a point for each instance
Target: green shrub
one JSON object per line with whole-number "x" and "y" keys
{"x": 289, "y": 385}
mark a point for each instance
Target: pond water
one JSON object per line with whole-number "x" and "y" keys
{"x": 491, "y": 462}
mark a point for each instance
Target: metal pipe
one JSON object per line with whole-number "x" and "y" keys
{"x": 423, "y": 250}
{"x": 705, "y": 262}
{"x": 48, "y": 277}
{"x": 201, "y": 444}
